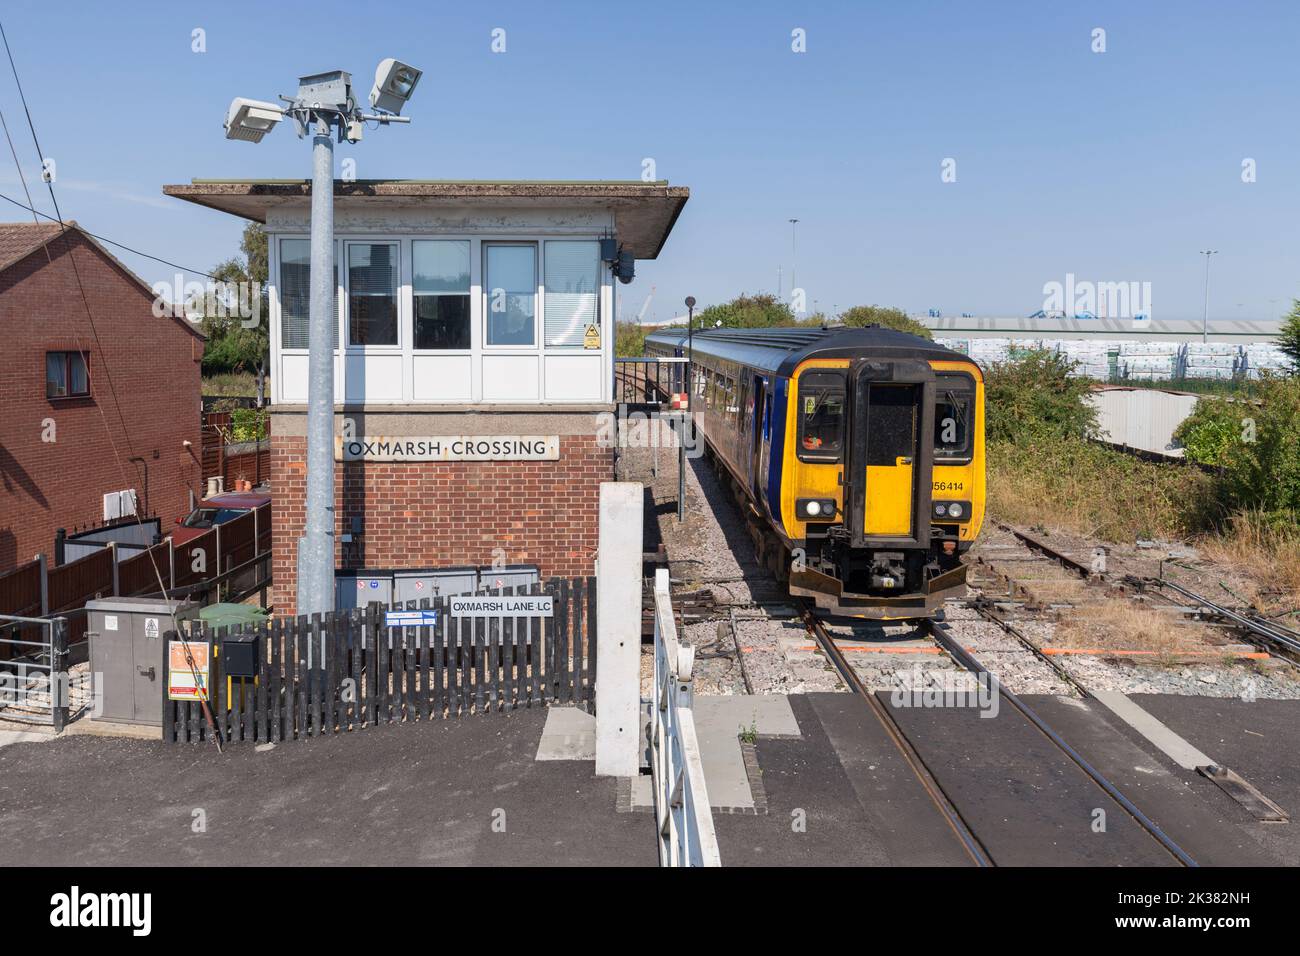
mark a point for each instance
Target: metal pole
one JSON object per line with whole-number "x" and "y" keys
{"x": 794, "y": 256}
{"x": 316, "y": 546}
{"x": 1205, "y": 316}
{"x": 689, "y": 422}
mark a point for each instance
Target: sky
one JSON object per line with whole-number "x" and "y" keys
{"x": 1114, "y": 166}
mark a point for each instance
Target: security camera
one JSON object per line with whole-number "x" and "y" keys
{"x": 250, "y": 120}
{"x": 394, "y": 83}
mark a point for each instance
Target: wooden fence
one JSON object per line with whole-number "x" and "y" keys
{"x": 347, "y": 670}
{"x": 236, "y": 553}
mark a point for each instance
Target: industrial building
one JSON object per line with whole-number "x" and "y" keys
{"x": 1113, "y": 349}
{"x": 474, "y": 362}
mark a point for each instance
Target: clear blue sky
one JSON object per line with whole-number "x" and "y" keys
{"x": 1116, "y": 166}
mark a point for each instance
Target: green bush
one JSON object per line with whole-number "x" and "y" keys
{"x": 1255, "y": 447}
{"x": 629, "y": 339}
{"x": 1032, "y": 399}
{"x": 748, "y": 312}
{"x": 862, "y": 315}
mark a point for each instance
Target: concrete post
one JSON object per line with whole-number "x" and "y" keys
{"x": 618, "y": 630}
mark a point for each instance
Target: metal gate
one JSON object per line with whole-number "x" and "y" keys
{"x": 35, "y": 687}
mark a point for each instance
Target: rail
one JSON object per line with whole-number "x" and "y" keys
{"x": 685, "y": 821}
{"x": 648, "y": 381}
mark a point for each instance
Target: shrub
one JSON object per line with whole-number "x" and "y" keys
{"x": 1033, "y": 399}
{"x": 1255, "y": 447}
{"x": 890, "y": 318}
{"x": 748, "y": 312}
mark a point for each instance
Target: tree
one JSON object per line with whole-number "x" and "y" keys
{"x": 862, "y": 315}
{"x": 748, "y": 312}
{"x": 236, "y": 343}
{"x": 1034, "y": 398}
{"x": 1288, "y": 339}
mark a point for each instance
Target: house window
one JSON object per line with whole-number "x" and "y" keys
{"x": 372, "y": 293}
{"x": 66, "y": 375}
{"x": 440, "y": 283}
{"x": 295, "y": 294}
{"x": 510, "y": 286}
{"x": 572, "y": 282}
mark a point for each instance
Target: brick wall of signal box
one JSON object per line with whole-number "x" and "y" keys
{"x": 446, "y": 514}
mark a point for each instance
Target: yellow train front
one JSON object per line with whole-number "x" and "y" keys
{"x": 857, "y": 455}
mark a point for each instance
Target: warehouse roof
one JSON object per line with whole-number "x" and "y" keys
{"x": 1159, "y": 330}
{"x": 644, "y": 212}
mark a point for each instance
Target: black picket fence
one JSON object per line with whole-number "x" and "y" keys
{"x": 334, "y": 673}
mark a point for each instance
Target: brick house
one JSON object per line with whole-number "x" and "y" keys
{"x": 62, "y": 435}
{"x": 473, "y": 364}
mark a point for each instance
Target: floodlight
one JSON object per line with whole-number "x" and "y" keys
{"x": 394, "y": 83}
{"x": 250, "y": 120}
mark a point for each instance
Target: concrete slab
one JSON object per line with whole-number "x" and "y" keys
{"x": 719, "y": 722}
{"x": 569, "y": 734}
{"x": 8, "y": 737}
{"x": 1169, "y": 743}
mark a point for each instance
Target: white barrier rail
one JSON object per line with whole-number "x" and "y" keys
{"x": 686, "y": 834}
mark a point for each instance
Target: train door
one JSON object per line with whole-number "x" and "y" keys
{"x": 765, "y": 453}
{"x": 757, "y": 472}
{"x": 893, "y": 418}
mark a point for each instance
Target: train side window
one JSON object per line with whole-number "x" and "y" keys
{"x": 953, "y": 417}
{"x": 821, "y": 416}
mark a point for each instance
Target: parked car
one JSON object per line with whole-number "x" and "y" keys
{"x": 217, "y": 510}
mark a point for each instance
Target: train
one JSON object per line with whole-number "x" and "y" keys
{"x": 855, "y": 453}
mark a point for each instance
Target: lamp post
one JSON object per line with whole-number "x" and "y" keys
{"x": 1205, "y": 316}
{"x": 690, "y": 421}
{"x": 325, "y": 105}
{"x": 794, "y": 255}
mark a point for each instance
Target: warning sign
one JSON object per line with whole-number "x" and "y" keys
{"x": 591, "y": 338}
{"x": 180, "y": 676}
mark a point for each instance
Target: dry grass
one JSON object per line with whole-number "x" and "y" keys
{"x": 1261, "y": 552}
{"x": 1123, "y": 625}
{"x": 1083, "y": 488}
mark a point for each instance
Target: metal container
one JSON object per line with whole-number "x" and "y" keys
{"x": 127, "y": 648}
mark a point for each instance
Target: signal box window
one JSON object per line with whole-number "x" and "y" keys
{"x": 440, "y": 286}
{"x": 66, "y": 375}
{"x": 821, "y": 416}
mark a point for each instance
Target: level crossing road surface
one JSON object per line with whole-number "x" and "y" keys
{"x": 437, "y": 792}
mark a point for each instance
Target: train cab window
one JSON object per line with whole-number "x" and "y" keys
{"x": 954, "y": 413}
{"x": 821, "y": 416}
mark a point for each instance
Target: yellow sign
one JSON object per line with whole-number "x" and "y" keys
{"x": 591, "y": 340}
{"x": 181, "y": 684}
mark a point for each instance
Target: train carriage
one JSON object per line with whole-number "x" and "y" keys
{"x": 857, "y": 455}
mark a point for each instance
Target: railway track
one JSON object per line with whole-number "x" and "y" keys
{"x": 945, "y": 639}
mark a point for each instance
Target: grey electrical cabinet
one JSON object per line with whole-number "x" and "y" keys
{"x": 360, "y": 588}
{"x": 432, "y": 583}
{"x": 128, "y": 641}
{"x": 511, "y": 576}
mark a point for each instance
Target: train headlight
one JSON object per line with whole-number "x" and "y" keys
{"x": 814, "y": 509}
{"x": 952, "y": 510}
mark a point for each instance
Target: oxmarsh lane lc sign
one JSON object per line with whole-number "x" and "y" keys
{"x": 447, "y": 448}
{"x": 506, "y": 605}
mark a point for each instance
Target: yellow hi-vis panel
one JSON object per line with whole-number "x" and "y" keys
{"x": 889, "y": 498}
